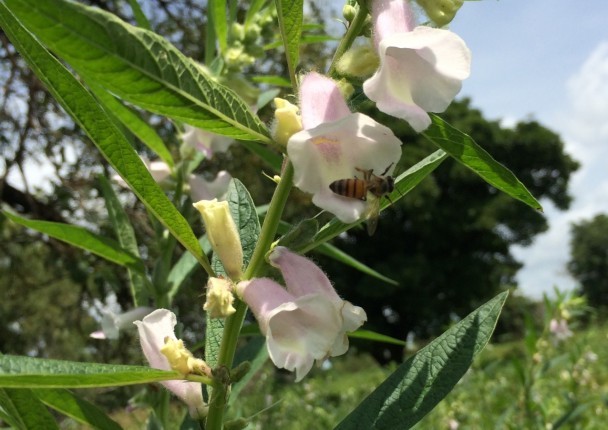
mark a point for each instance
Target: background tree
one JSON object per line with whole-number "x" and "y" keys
{"x": 589, "y": 258}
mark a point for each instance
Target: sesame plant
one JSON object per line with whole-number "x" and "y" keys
{"x": 398, "y": 57}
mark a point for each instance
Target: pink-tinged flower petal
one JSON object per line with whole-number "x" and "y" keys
{"x": 333, "y": 151}
{"x": 420, "y": 71}
{"x": 152, "y": 332}
{"x": 201, "y": 189}
{"x": 206, "y": 142}
{"x": 320, "y": 101}
{"x": 298, "y": 330}
{"x": 301, "y": 275}
{"x": 390, "y": 17}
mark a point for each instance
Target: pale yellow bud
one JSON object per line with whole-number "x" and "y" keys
{"x": 441, "y": 12}
{"x": 219, "y": 298}
{"x": 223, "y": 235}
{"x": 287, "y": 121}
{"x": 359, "y": 61}
{"x": 181, "y": 359}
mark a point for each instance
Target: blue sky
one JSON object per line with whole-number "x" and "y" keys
{"x": 547, "y": 60}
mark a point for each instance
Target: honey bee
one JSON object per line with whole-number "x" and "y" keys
{"x": 372, "y": 187}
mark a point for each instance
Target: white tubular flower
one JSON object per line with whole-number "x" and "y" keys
{"x": 112, "y": 323}
{"x": 201, "y": 189}
{"x": 421, "y": 69}
{"x": 223, "y": 235}
{"x": 334, "y": 144}
{"x": 153, "y": 330}
{"x": 307, "y": 322}
{"x": 206, "y": 142}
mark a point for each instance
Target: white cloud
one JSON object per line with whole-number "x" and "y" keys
{"x": 583, "y": 123}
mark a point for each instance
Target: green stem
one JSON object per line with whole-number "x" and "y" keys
{"x": 234, "y": 322}
{"x": 271, "y": 222}
{"x": 354, "y": 30}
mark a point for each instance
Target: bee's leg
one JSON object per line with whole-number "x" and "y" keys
{"x": 386, "y": 170}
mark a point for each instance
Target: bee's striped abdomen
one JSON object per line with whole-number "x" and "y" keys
{"x": 352, "y": 188}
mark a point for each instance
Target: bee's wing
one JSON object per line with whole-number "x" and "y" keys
{"x": 372, "y": 213}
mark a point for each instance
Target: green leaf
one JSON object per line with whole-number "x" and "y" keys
{"x": 126, "y": 237}
{"x": 422, "y": 381}
{"x": 299, "y": 235}
{"x": 84, "y": 239}
{"x": 139, "y": 15}
{"x": 375, "y": 337}
{"x": 253, "y": 8}
{"x": 25, "y": 410}
{"x": 291, "y": 14}
{"x": 133, "y": 122}
{"x": 138, "y": 66}
{"x": 77, "y": 408}
{"x": 341, "y": 256}
{"x": 217, "y": 12}
{"x": 113, "y": 145}
{"x": 245, "y": 217}
{"x": 404, "y": 183}
{"x": 28, "y": 372}
{"x": 464, "y": 149}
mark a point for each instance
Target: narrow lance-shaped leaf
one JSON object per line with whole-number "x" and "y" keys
{"x": 29, "y": 372}
{"x": 126, "y": 237}
{"x": 139, "y": 15}
{"x": 217, "y": 11}
{"x": 290, "y": 22}
{"x": 464, "y": 149}
{"x": 77, "y": 408}
{"x": 112, "y": 144}
{"x": 84, "y": 239}
{"x": 26, "y": 411}
{"x": 422, "y": 381}
{"x": 404, "y": 183}
{"x": 134, "y": 123}
{"x": 138, "y": 66}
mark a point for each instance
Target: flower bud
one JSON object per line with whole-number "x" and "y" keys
{"x": 349, "y": 12}
{"x": 441, "y": 12}
{"x": 180, "y": 358}
{"x": 287, "y": 121}
{"x": 237, "y": 31}
{"x": 219, "y": 298}
{"x": 223, "y": 235}
{"x": 359, "y": 61}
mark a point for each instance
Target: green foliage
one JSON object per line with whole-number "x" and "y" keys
{"x": 25, "y": 411}
{"x": 420, "y": 383}
{"x": 589, "y": 258}
{"x": 28, "y": 372}
{"x": 84, "y": 239}
{"x": 109, "y": 139}
{"x": 78, "y": 409}
{"x": 123, "y": 65}
{"x": 138, "y": 66}
{"x": 468, "y": 152}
